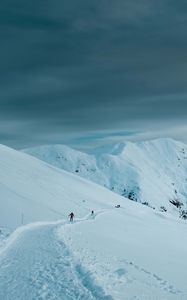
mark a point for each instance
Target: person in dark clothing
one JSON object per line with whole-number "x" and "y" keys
{"x": 92, "y": 214}
{"x": 71, "y": 216}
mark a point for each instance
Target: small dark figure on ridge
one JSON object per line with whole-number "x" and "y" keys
{"x": 71, "y": 216}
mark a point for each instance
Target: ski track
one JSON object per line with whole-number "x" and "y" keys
{"x": 38, "y": 266}
{"x": 129, "y": 273}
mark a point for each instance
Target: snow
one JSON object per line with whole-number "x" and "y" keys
{"x": 136, "y": 254}
{"x": 132, "y": 252}
{"x": 153, "y": 171}
{"x": 32, "y": 190}
{"x": 4, "y": 234}
{"x": 36, "y": 265}
{"x": 143, "y": 253}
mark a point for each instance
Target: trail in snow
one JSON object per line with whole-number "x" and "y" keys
{"x": 120, "y": 272}
{"x": 36, "y": 265}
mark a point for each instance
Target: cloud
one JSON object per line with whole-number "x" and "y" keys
{"x": 79, "y": 68}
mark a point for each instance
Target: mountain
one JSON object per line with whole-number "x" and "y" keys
{"x": 32, "y": 190}
{"x": 132, "y": 251}
{"x": 152, "y": 172}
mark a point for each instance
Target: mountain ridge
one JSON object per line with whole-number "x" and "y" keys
{"x": 131, "y": 250}
{"x": 32, "y": 190}
{"x": 152, "y": 172}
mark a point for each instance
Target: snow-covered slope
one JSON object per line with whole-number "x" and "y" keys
{"x": 131, "y": 252}
{"x": 32, "y": 190}
{"x": 143, "y": 253}
{"x": 152, "y": 172}
{"x": 118, "y": 254}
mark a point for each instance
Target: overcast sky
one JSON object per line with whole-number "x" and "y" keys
{"x": 82, "y": 72}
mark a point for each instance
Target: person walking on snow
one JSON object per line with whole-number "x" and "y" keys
{"x": 71, "y": 216}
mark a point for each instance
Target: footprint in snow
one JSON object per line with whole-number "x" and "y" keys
{"x": 161, "y": 282}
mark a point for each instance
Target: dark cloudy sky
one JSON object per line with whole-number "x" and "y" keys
{"x": 85, "y": 72}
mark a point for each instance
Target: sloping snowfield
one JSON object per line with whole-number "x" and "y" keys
{"x": 117, "y": 254}
{"x": 126, "y": 253}
{"x": 32, "y": 190}
{"x": 152, "y": 171}
{"x": 36, "y": 265}
{"x": 143, "y": 254}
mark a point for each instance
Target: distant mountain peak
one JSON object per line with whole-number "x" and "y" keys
{"x": 152, "y": 172}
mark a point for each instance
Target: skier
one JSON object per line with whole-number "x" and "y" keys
{"x": 92, "y": 213}
{"x": 71, "y": 216}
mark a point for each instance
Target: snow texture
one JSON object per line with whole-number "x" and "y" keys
{"x": 151, "y": 172}
{"x": 128, "y": 253}
{"x": 113, "y": 255}
{"x": 32, "y": 190}
{"x": 36, "y": 265}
